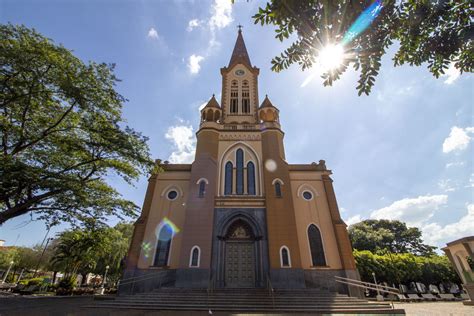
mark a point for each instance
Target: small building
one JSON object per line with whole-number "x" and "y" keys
{"x": 461, "y": 254}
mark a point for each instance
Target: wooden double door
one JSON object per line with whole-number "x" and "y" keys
{"x": 240, "y": 264}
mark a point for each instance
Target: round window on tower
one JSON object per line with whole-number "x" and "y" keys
{"x": 307, "y": 195}
{"x": 172, "y": 195}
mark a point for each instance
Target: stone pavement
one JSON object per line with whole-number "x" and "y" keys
{"x": 436, "y": 309}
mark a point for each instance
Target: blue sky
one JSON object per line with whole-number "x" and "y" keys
{"x": 404, "y": 152}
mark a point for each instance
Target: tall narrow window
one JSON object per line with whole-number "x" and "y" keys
{"x": 316, "y": 246}
{"x": 194, "y": 262}
{"x": 202, "y": 188}
{"x": 285, "y": 257}
{"x": 245, "y": 97}
{"x": 240, "y": 171}
{"x": 228, "y": 178}
{"x": 251, "y": 178}
{"x": 234, "y": 97}
{"x": 277, "y": 189}
{"x": 163, "y": 247}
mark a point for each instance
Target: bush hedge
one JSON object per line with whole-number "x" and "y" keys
{"x": 404, "y": 268}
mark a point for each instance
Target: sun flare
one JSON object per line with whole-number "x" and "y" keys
{"x": 331, "y": 57}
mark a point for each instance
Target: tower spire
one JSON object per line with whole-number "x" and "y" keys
{"x": 240, "y": 55}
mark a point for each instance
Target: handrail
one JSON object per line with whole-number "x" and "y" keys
{"x": 210, "y": 287}
{"x": 270, "y": 290}
{"x": 369, "y": 285}
{"x": 140, "y": 278}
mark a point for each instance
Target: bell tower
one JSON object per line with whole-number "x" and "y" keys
{"x": 240, "y": 87}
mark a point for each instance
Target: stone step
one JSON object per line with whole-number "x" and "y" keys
{"x": 360, "y": 310}
{"x": 243, "y": 305}
{"x": 238, "y": 299}
{"x": 248, "y": 300}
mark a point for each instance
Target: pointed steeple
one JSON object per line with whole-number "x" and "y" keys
{"x": 212, "y": 103}
{"x": 240, "y": 55}
{"x": 267, "y": 103}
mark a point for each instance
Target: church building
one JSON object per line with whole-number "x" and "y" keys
{"x": 240, "y": 215}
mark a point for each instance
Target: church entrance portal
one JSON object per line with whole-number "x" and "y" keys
{"x": 239, "y": 256}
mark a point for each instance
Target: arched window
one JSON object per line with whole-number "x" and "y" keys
{"x": 277, "y": 189}
{"x": 202, "y": 188}
{"x": 285, "y": 257}
{"x": 163, "y": 246}
{"x": 195, "y": 257}
{"x": 245, "y": 97}
{"x": 316, "y": 246}
{"x": 240, "y": 171}
{"x": 251, "y": 178}
{"x": 234, "y": 97}
{"x": 228, "y": 178}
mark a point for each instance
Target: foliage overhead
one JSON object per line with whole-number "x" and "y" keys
{"x": 435, "y": 33}
{"x": 62, "y": 133}
{"x": 388, "y": 236}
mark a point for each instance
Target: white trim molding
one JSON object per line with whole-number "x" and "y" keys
{"x": 191, "y": 257}
{"x": 281, "y": 257}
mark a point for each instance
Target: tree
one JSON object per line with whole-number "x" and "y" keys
{"x": 62, "y": 133}
{"x": 404, "y": 268}
{"x": 435, "y": 33}
{"x": 388, "y": 236}
{"x": 91, "y": 250}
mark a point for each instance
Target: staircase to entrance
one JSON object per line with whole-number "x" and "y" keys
{"x": 315, "y": 301}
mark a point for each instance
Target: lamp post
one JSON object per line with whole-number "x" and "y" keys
{"x": 379, "y": 297}
{"x": 8, "y": 271}
{"x": 103, "y": 280}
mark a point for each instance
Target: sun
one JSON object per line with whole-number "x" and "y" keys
{"x": 331, "y": 57}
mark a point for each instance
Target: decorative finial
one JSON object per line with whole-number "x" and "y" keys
{"x": 213, "y": 95}
{"x": 266, "y": 95}
{"x": 240, "y": 28}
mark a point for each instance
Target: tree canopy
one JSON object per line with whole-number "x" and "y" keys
{"x": 91, "y": 250}
{"x": 388, "y": 236}
{"x": 62, "y": 133}
{"x": 434, "y": 33}
{"x": 405, "y": 268}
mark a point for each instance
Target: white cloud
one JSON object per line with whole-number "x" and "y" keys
{"x": 458, "y": 139}
{"x": 446, "y": 185}
{"x": 455, "y": 164}
{"x": 184, "y": 143}
{"x": 436, "y": 234}
{"x": 452, "y": 74}
{"x": 221, "y": 11}
{"x": 192, "y": 24}
{"x": 152, "y": 33}
{"x": 413, "y": 211}
{"x": 193, "y": 63}
{"x": 354, "y": 219}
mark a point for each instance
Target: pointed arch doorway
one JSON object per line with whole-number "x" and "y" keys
{"x": 239, "y": 256}
{"x": 240, "y": 248}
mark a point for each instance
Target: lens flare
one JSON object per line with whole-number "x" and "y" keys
{"x": 169, "y": 224}
{"x": 270, "y": 165}
{"x": 363, "y": 21}
{"x": 331, "y": 57}
{"x": 146, "y": 248}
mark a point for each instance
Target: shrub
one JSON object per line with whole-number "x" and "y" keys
{"x": 404, "y": 268}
